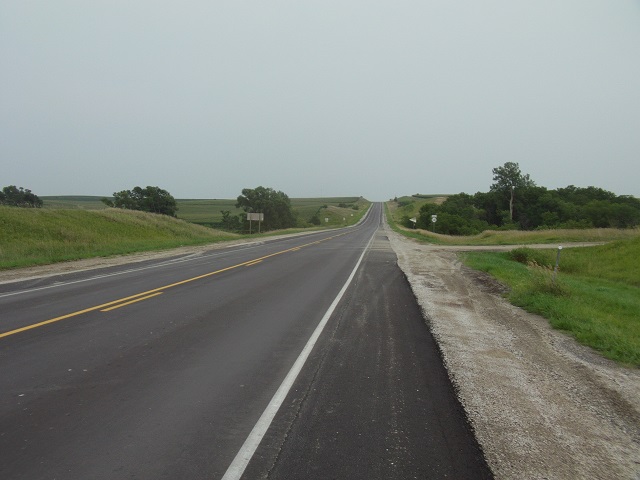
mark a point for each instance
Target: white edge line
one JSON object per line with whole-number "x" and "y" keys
{"x": 244, "y": 455}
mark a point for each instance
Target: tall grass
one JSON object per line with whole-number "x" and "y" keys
{"x": 595, "y": 298}
{"x": 42, "y": 236}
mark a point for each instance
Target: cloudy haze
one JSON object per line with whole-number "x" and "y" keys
{"x": 331, "y": 98}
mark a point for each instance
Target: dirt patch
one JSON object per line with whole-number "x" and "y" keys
{"x": 485, "y": 282}
{"x": 542, "y": 406}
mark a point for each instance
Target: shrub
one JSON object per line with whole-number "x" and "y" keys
{"x": 529, "y": 256}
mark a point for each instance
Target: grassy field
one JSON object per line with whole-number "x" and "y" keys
{"x": 205, "y": 212}
{"x": 596, "y": 295}
{"x": 71, "y": 228}
{"x": 43, "y": 236}
{"x": 73, "y": 202}
{"x": 209, "y": 211}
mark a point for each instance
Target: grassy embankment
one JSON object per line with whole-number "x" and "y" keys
{"x": 43, "y": 236}
{"x": 596, "y": 296}
{"x": 71, "y": 228}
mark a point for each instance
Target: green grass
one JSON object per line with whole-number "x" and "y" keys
{"x": 43, "y": 236}
{"x": 71, "y": 228}
{"x": 410, "y": 206}
{"x": 596, "y": 296}
{"x": 208, "y": 212}
{"x": 81, "y": 202}
{"x": 205, "y": 212}
{"x": 333, "y": 215}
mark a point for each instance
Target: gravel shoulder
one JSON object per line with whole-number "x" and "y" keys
{"x": 541, "y": 405}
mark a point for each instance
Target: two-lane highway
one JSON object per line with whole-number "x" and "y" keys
{"x": 163, "y": 370}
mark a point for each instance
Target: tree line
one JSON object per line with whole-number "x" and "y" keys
{"x": 19, "y": 197}
{"x": 275, "y": 205}
{"x": 514, "y": 201}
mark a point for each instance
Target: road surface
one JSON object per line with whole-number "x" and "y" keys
{"x": 166, "y": 369}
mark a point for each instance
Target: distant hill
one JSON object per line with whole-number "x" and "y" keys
{"x": 82, "y": 202}
{"x": 203, "y": 211}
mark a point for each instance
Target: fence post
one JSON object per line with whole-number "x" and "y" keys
{"x": 555, "y": 270}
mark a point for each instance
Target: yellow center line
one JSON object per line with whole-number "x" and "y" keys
{"x": 130, "y": 302}
{"x": 157, "y": 291}
{"x": 253, "y": 263}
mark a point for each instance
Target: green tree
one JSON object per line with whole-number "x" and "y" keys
{"x": 508, "y": 179}
{"x": 149, "y": 199}
{"x": 457, "y": 215}
{"x": 231, "y": 223}
{"x": 19, "y": 197}
{"x": 275, "y": 205}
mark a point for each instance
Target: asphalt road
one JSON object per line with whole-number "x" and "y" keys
{"x": 163, "y": 369}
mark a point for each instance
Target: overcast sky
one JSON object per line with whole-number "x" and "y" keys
{"x": 318, "y": 98}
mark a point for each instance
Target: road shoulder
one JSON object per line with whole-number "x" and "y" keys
{"x": 541, "y": 405}
{"x": 374, "y": 400}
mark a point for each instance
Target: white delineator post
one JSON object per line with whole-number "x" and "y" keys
{"x": 555, "y": 269}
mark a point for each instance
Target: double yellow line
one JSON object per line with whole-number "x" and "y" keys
{"x": 122, "y": 302}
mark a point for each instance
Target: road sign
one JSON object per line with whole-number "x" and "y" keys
{"x": 434, "y": 218}
{"x": 258, "y": 217}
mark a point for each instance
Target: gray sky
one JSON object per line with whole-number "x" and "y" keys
{"x": 318, "y": 98}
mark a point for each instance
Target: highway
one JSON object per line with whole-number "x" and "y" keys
{"x": 304, "y": 357}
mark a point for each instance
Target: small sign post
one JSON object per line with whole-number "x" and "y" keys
{"x": 259, "y": 217}
{"x": 555, "y": 269}
{"x": 434, "y": 219}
